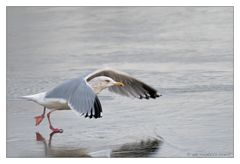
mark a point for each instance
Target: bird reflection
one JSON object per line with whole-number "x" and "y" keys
{"x": 144, "y": 148}
{"x": 59, "y": 152}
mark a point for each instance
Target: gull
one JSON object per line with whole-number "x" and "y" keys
{"x": 80, "y": 94}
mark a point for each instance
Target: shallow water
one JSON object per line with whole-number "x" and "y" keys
{"x": 186, "y": 53}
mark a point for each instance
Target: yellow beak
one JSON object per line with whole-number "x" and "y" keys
{"x": 119, "y": 84}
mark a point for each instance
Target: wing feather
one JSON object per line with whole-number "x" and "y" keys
{"x": 132, "y": 86}
{"x": 79, "y": 96}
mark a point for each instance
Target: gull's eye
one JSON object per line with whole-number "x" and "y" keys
{"x": 107, "y": 81}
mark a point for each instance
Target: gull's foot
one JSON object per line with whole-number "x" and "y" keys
{"x": 56, "y": 130}
{"x": 38, "y": 119}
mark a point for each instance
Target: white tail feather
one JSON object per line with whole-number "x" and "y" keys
{"x": 28, "y": 97}
{"x": 35, "y": 97}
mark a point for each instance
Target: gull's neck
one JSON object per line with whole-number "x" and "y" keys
{"x": 96, "y": 86}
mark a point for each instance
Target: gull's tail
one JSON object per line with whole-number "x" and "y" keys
{"x": 35, "y": 97}
{"x": 28, "y": 97}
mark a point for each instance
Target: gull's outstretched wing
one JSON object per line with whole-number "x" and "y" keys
{"x": 79, "y": 96}
{"x": 132, "y": 87}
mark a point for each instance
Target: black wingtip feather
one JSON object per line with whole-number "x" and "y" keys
{"x": 97, "y": 110}
{"x": 152, "y": 92}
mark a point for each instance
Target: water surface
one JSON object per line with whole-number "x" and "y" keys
{"x": 186, "y": 53}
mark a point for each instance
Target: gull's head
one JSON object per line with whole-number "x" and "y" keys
{"x": 108, "y": 82}
{"x": 101, "y": 82}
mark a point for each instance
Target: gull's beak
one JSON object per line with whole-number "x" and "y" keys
{"x": 119, "y": 84}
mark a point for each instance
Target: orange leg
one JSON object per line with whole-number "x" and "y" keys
{"x": 50, "y": 124}
{"x": 38, "y": 119}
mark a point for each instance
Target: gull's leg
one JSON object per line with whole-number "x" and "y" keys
{"x": 38, "y": 119}
{"x": 50, "y": 124}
